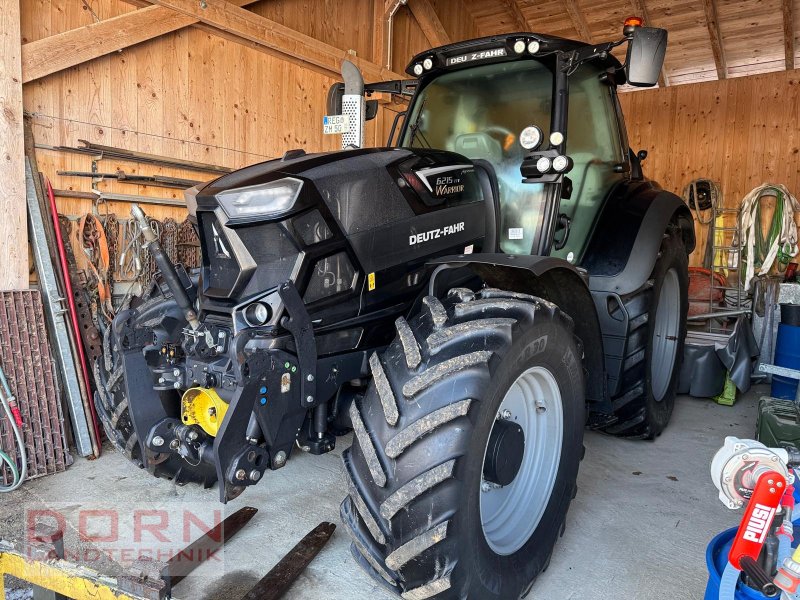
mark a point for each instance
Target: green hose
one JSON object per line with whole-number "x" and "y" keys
{"x": 18, "y": 476}
{"x": 762, "y": 246}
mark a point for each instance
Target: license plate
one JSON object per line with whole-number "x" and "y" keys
{"x": 335, "y": 124}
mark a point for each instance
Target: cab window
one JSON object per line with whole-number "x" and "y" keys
{"x": 479, "y": 112}
{"x": 594, "y": 144}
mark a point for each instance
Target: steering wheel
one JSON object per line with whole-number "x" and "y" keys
{"x": 506, "y": 137}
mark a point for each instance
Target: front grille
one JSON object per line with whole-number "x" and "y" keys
{"x": 246, "y": 260}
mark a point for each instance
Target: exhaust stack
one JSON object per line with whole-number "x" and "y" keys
{"x": 353, "y": 105}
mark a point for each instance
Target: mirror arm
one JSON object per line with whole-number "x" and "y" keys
{"x": 576, "y": 58}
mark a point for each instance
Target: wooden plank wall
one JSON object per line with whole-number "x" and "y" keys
{"x": 738, "y": 132}
{"x": 188, "y": 94}
{"x": 408, "y": 36}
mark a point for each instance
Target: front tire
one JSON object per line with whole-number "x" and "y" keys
{"x": 419, "y": 519}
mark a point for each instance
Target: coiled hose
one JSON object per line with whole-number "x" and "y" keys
{"x": 12, "y": 413}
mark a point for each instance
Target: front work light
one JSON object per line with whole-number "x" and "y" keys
{"x": 562, "y": 164}
{"x": 543, "y": 164}
{"x": 260, "y": 201}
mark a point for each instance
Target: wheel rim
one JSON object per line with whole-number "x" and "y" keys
{"x": 510, "y": 514}
{"x": 665, "y": 335}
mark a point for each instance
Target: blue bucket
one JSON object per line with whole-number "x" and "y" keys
{"x": 787, "y": 354}
{"x": 717, "y": 558}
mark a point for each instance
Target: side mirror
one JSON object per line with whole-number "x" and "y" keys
{"x": 372, "y": 110}
{"x": 334, "y": 103}
{"x": 646, "y": 50}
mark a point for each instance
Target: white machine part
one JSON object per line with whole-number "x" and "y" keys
{"x": 736, "y": 467}
{"x": 354, "y": 106}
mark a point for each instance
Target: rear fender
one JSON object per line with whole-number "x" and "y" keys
{"x": 627, "y": 239}
{"x": 621, "y": 257}
{"x": 555, "y": 280}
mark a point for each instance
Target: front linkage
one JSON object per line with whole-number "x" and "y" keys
{"x": 271, "y": 382}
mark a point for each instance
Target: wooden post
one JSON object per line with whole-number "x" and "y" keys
{"x": 13, "y": 212}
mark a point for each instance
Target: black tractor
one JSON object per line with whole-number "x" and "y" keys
{"x": 465, "y": 301}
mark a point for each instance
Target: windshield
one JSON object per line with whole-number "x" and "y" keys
{"x": 479, "y": 113}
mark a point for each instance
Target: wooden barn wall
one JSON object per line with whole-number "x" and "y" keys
{"x": 194, "y": 95}
{"x": 409, "y": 39}
{"x": 188, "y": 94}
{"x": 738, "y": 132}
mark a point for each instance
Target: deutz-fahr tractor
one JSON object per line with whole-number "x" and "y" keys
{"x": 465, "y": 300}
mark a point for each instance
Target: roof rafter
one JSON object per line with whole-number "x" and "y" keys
{"x": 70, "y": 48}
{"x": 429, "y": 22}
{"x": 520, "y": 22}
{"x": 712, "y": 22}
{"x": 245, "y": 25}
{"x": 578, "y": 22}
{"x": 787, "y": 9}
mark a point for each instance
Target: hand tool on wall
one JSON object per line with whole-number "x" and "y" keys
{"x": 149, "y": 180}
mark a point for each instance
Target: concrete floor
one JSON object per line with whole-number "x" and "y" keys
{"x": 638, "y": 527}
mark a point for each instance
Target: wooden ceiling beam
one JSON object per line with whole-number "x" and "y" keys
{"x": 787, "y": 9}
{"x": 640, "y": 10}
{"x": 70, "y": 48}
{"x": 383, "y": 11}
{"x": 252, "y": 28}
{"x": 519, "y": 20}
{"x": 379, "y": 33}
{"x": 712, "y": 22}
{"x": 578, "y": 21}
{"x": 429, "y": 22}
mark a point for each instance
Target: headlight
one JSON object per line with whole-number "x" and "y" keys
{"x": 256, "y": 314}
{"x": 260, "y": 201}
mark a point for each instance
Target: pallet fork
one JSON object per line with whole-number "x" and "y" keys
{"x": 41, "y": 563}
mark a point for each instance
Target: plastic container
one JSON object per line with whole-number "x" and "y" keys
{"x": 787, "y": 354}
{"x": 790, "y": 314}
{"x": 717, "y": 558}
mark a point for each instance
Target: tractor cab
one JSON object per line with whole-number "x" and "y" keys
{"x": 501, "y": 99}
{"x": 480, "y": 112}
{"x": 508, "y": 100}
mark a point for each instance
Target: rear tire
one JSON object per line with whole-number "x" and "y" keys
{"x": 416, "y": 466}
{"x": 656, "y": 312}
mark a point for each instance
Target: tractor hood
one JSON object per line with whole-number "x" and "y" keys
{"x": 379, "y": 206}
